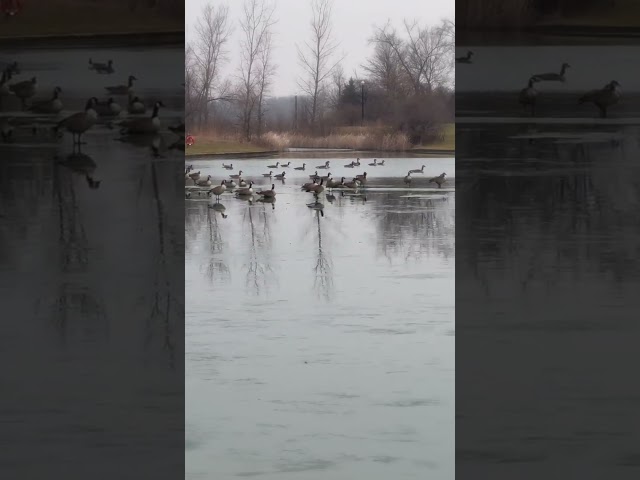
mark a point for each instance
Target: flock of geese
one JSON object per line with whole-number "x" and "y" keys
{"x": 603, "y": 98}
{"x": 127, "y": 117}
{"x": 316, "y": 185}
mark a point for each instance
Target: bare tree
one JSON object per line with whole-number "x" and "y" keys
{"x": 255, "y": 24}
{"x": 212, "y": 33}
{"x": 317, "y": 56}
{"x": 425, "y": 56}
{"x": 338, "y": 80}
{"x": 266, "y": 70}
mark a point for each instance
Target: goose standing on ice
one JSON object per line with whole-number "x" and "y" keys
{"x": 604, "y": 97}
{"x": 218, "y": 190}
{"x": 268, "y": 193}
{"x": 466, "y": 58}
{"x": 78, "y": 123}
{"x": 204, "y": 182}
{"x": 52, "y": 105}
{"x": 439, "y": 180}
{"x": 529, "y": 95}
{"x": 553, "y": 77}
{"x": 24, "y": 90}
{"x": 408, "y": 179}
{"x": 141, "y": 126}
{"x": 122, "y": 89}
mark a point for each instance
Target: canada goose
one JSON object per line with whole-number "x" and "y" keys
{"x": 194, "y": 175}
{"x": 326, "y": 177}
{"x": 13, "y": 69}
{"x": 362, "y": 178}
{"x": 230, "y": 183}
{"x": 52, "y": 105}
{"x": 355, "y": 183}
{"x": 78, "y": 123}
{"x": 4, "y": 85}
{"x": 122, "y": 89}
{"x": 110, "y": 108}
{"x": 228, "y": 167}
{"x": 135, "y": 106}
{"x": 315, "y": 175}
{"x": 375, "y": 163}
{"x": 439, "y": 180}
{"x": 102, "y": 67}
{"x": 603, "y": 98}
{"x": 242, "y": 183}
{"x": 136, "y": 126}
{"x": 308, "y": 185}
{"x": 357, "y": 164}
{"x": 381, "y": 163}
{"x": 419, "y": 170}
{"x": 553, "y": 77}
{"x": 350, "y": 165}
{"x": 317, "y": 189}
{"x": 407, "y": 179}
{"x": 274, "y": 166}
{"x": 218, "y": 190}
{"x": 204, "y": 182}
{"x": 239, "y": 175}
{"x": 24, "y": 90}
{"x": 529, "y": 95}
{"x": 301, "y": 168}
{"x": 286, "y": 165}
{"x": 325, "y": 166}
{"x": 334, "y": 183}
{"x": 280, "y": 176}
{"x": 269, "y": 175}
{"x": 268, "y": 193}
{"x": 466, "y": 58}
{"x": 246, "y": 191}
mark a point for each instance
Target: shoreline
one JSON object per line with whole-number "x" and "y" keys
{"x": 271, "y": 153}
{"x": 129, "y": 39}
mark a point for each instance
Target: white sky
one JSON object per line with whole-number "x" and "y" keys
{"x": 353, "y": 22}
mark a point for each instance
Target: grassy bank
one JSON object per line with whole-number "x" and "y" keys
{"x": 372, "y": 139}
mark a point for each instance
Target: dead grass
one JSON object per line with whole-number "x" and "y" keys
{"x": 369, "y": 140}
{"x": 448, "y": 141}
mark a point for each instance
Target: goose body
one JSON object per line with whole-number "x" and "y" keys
{"x": 362, "y": 178}
{"x": 110, "y": 108}
{"x": 24, "y": 90}
{"x": 194, "y": 175}
{"x": 218, "y": 189}
{"x": 268, "y": 193}
{"x": 269, "y": 175}
{"x": 52, "y": 105}
{"x": 315, "y": 175}
{"x": 274, "y": 166}
{"x": 78, "y": 123}
{"x": 408, "y": 179}
{"x": 374, "y": 164}
{"x": 101, "y": 67}
{"x": 334, "y": 183}
{"x": 140, "y": 126}
{"x": 280, "y": 176}
{"x": 204, "y": 182}
{"x": 466, "y": 58}
{"x": 230, "y": 183}
{"x": 242, "y": 183}
{"x": 355, "y": 183}
{"x": 239, "y": 175}
{"x": 553, "y": 77}
{"x": 419, "y": 170}
{"x": 317, "y": 189}
{"x": 326, "y": 177}
{"x": 122, "y": 89}
{"x": 350, "y": 165}
{"x": 308, "y": 185}
{"x": 301, "y": 168}
{"x": 136, "y": 106}
{"x": 604, "y": 97}
{"x": 246, "y": 191}
{"x": 439, "y": 180}
{"x": 325, "y": 166}
{"x": 529, "y": 95}
{"x": 228, "y": 167}
{"x": 286, "y": 165}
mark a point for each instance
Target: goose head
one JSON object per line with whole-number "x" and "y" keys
{"x": 614, "y": 84}
{"x": 131, "y": 79}
{"x": 56, "y": 91}
{"x": 240, "y": 172}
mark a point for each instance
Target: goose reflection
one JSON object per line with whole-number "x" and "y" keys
{"x": 220, "y": 208}
{"x": 82, "y": 164}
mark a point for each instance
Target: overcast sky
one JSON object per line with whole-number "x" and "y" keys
{"x": 353, "y": 22}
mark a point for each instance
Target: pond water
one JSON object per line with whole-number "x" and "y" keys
{"x": 320, "y": 343}
{"x": 547, "y": 263}
{"x": 86, "y": 273}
